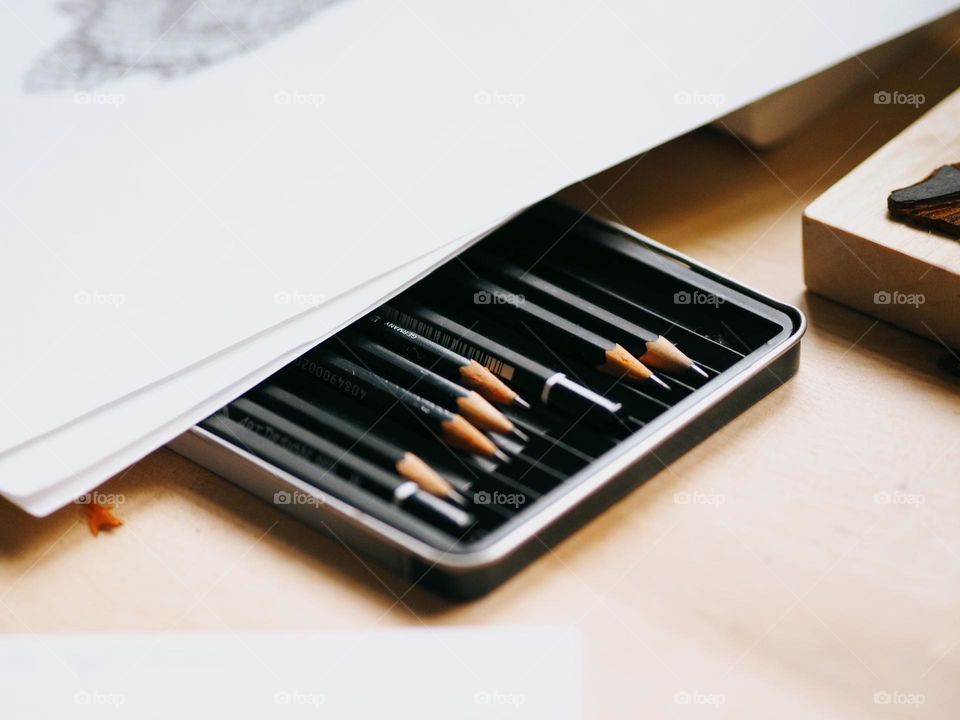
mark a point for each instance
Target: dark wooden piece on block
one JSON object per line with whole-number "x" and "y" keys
{"x": 933, "y": 203}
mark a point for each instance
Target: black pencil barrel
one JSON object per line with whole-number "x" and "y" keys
{"x": 551, "y": 387}
{"x": 312, "y": 458}
{"x": 331, "y": 423}
{"x": 493, "y": 299}
{"x": 414, "y": 346}
{"x": 366, "y": 387}
{"x": 408, "y": 374}
{"x": 559, "y": 298}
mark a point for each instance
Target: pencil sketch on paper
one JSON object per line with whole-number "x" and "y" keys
{"x": 168, "y": 38}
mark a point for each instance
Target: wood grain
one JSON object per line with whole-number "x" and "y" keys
{"x": 856, "y": 254}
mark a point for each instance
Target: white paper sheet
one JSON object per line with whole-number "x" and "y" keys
{"x": 46, "y": 474}
{"x": 180, "y": 177}
{"x": 423, "y": 673}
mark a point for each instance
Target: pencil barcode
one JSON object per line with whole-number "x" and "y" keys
{"x": 457, "y": 344}
{"x": 331, "y": 377}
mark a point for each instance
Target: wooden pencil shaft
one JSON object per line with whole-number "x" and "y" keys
{"x": 619, "y": 363}
{"x": 459, "y": 433}
{"x": 413, "y": 468}
{"x": 481, "y": 413}
{"x": 489, "y": 385}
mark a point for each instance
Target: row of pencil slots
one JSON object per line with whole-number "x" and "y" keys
{"x": 475, "y": 392}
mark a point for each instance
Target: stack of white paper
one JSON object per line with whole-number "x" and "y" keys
{"x": 191, "y": 190}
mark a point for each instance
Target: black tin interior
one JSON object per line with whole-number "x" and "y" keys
{"x": 747, "y": 343}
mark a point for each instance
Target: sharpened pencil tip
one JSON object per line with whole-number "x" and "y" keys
{"x": 459, "y": 433}
{"x": 520, "y": 434}
{"x": 501, "y": 456}
{"x": 457, "y": 498}
{"x": 478, "y": 410}
{"x": 699, "y": 370}
{"x": 521, "y": 402}
{"x": 658, "y": 381}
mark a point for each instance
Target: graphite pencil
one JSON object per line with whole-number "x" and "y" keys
{"x": 552, "y": 388}
{"x": 334, "y": 424}
{"x": 432, "y": 386}
{"x": 314, "y": 459}
{"x": 651, "y": 348}
{"x": 592, "y": 348}
{"x": 442, "y": 360}
{"x": 368, "y": 389}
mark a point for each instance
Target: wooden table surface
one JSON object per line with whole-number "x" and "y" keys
{"x": 826, "y": 571}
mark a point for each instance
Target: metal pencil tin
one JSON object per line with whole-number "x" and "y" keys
{"x": 466, "y": 569}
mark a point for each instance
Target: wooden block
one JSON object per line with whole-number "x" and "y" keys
{"x": 855, "y": 254}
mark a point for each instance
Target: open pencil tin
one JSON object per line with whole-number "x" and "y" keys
{"x": 572, "y": 470}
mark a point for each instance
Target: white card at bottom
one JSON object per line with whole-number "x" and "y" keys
{"x": 516, "y": 672}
